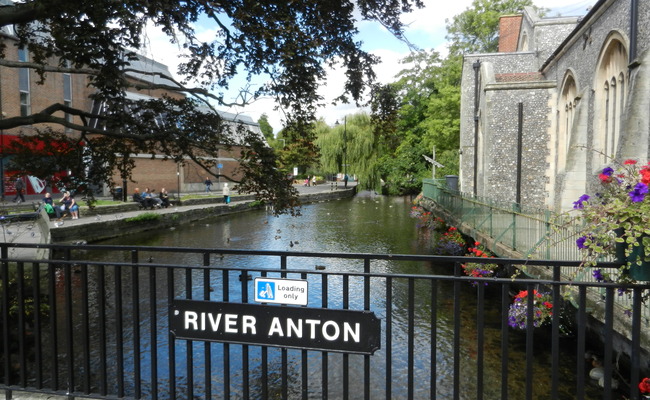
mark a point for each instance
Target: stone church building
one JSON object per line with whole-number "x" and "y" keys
{"x": 563, "y": 98}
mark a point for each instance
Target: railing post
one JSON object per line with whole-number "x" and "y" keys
{"x": 207, "y": 348}
{"x": 5, "y": 312}
{"x": 135, "y": 293}
{"x": 514, "y": 227}
{"x": 547, "y": 217}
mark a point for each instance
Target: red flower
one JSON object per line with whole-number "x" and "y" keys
{"x": 451, "y": 229}
{"x": 644, "y": 386}
{"x": 629, "y": 162}
{"x": 524, "y": 293}
{"x": 477, "y": 243}
{"x": 645, "y": 175}
{"x": 605, "y": 178}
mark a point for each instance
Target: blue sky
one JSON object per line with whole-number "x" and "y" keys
{"x": 425, "y": 29}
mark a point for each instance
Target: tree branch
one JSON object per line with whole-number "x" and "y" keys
{"x": 20, "y": 13}
{"x": 45, "y": 117}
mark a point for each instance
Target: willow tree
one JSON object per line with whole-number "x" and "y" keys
{"x": 353, "y": 148}
{"x": 290, "y": 42}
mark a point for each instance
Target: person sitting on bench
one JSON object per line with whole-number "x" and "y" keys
{"x": 145, "y": 202}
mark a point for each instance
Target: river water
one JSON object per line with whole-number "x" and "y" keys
{"x": 369, "y": 223}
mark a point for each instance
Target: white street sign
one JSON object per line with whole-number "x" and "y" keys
{"x": 281, "y": 291}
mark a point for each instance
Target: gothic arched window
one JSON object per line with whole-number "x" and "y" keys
{"x": 610, "y": 97}
{"x": 567, "y": 106}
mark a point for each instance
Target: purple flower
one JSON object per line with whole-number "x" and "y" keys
{"x": 608, "y": 171}
{"x": 598, "y": 275}
{"x": 639, "y": 192}
{"x": 581, "y": 242}
{"x": 578, "y": 205}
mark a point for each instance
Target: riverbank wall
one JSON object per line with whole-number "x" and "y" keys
{"x": 113, "y": 221}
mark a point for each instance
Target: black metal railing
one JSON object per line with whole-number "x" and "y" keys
{"x": 99, "y": 321}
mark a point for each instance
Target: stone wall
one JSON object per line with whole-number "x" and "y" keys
{"x": 498, "y": 128}
{"x": 556, "y": 48}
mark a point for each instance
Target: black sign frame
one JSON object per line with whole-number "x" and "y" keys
{"x": 322, "y": 329}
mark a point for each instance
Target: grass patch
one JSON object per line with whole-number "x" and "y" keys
{"x": 148, "y": 216}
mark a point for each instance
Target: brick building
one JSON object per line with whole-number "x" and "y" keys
{"x": 561, "y": 98}
{"x": 21, "y": 93}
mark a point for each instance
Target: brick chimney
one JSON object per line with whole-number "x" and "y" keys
{"x": 509, "y": 26}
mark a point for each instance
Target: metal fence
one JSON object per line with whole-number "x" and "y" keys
{"x": 535, "y": 233}
{"x": 532, "y": 232}
{"x": 79, "y": 325}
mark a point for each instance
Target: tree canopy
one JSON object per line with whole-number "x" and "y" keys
{"x": 290, "y": 42}
{"x": 420, "y": 111}
{"x": 476, "y": 30}
{"x": 266, "y": 127}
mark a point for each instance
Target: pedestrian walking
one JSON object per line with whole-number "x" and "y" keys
{"x": 19, "y": 185}
{"x": 208, "y": 184}
{"x": 226, "y": 193}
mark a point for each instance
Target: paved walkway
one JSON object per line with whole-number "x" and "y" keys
{"x": 35, "y": 232}
{"x": 90, "y": 218}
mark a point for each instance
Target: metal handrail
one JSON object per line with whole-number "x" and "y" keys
{"x": 536, "y": 233}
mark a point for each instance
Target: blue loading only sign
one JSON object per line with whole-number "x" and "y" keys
{"x": 346, "y": 331}
{"x": 281, "y": 291}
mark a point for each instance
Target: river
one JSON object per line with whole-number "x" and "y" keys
{"x": 370, "y": 223}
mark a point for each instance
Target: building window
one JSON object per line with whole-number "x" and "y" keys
{"x": 567, "y": 107}
{"x": 524, "y": 43}
{"x": 611, "y": 95}
{"x": 67, "y": 94}
{"x": 23, "y": 84}
{"x": 98, "y": 109}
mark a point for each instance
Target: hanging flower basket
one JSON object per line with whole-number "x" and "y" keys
{"x": 518, "y": 312}
{"x": 634, "y": 256}
{"x": 616, "y": 218}
{"x": 639, "y": 267}
{"x": 479, "y": 270}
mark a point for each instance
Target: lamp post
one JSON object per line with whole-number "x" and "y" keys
{"x": 345, "y": 145}
{"x": 345, "y": 149}
{"x": 178, "y": 181}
